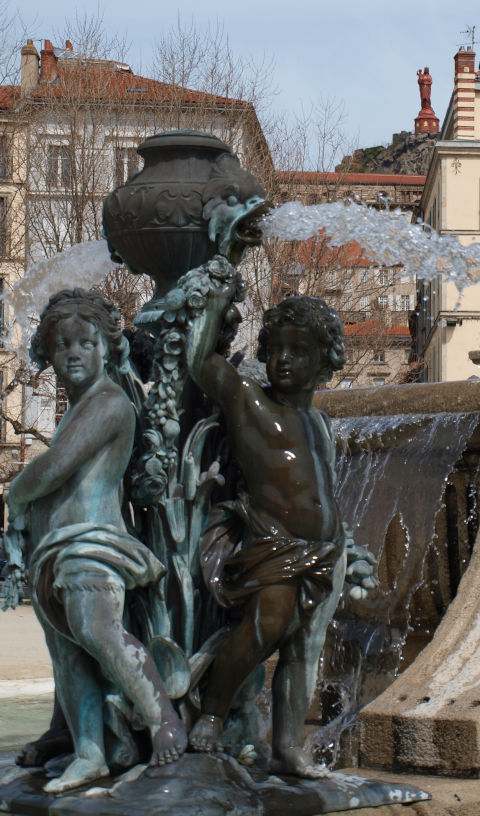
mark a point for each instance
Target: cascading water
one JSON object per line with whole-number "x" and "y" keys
{"x": 376, "y": 455}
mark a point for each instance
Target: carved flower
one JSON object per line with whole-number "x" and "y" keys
{"x": 220, "y": 268}
{"x": 196, "y": 300}
{"x": 173, "y": 343}
{"x": 156, "y": 484}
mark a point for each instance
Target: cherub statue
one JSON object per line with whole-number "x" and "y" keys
{"x": 289, "y": 546}
{"x": 81, "y": 559}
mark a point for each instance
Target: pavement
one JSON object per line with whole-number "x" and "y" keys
{"x": 26, "y": 679}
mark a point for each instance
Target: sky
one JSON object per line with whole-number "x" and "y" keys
{"x": 362, "y": 54}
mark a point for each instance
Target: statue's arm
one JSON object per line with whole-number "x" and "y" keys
{"x": 209, "y": 370}
{"x": 100, "y": 421}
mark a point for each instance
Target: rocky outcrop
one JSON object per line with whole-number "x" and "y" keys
{"x": 408, "y": 154}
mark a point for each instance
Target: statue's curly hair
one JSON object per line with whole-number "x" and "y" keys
{"x": 90, "y": 306}
{"x": 307, "y": 312}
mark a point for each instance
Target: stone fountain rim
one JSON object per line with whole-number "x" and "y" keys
{"x": 458, "y": 396}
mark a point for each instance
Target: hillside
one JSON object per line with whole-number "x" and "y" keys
{"x": 408, "y": 154}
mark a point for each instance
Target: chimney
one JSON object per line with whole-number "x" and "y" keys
{"x": 68, "y": 46}
{"x": 48, "y": 64}
{"x": 29, "y": 68}
{"x": 464, "y": 95}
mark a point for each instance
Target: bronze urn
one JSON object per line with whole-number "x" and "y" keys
{"x": 191, "y": 200}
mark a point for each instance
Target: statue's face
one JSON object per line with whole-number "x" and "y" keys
{"x": 294, "y": 361}
{"x": 77, "y": 351}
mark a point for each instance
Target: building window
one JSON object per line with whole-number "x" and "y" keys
{"x": 127, "y": 163}
{"x": 379, "y": 356}
{"x": 403, "y": 303}
{"x": 3, "y": 157}
{"x": 3, "y": 227}
{"x": 59, "y": 167}
{"x": 61, "y": 403}
{"x": 378, "y": 381}
{"x": 331, "y": 280}
{"x": 347, "y": 303}
{"x": 347, "y": 278}
{"x": 364, "y": 303}
{"x": 363, "y": 277}
{"x": 346, "y": 383}
{"x": 383, "y": 302}
{"x": 383, "y": 277}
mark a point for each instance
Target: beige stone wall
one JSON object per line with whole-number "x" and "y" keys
{"x": 451, "y": 205}
{"x": 364, "y": 368}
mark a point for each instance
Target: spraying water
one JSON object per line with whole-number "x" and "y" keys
{"x": 386, "y": 236}
{"x": 82, "y": 265}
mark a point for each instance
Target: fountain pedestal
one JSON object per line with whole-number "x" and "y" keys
{"x": 205, "y": 785}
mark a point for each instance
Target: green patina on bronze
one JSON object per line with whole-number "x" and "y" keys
{"x": 275, "y": 548}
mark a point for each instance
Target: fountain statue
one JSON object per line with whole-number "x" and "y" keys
{"x": 227, "y": 507}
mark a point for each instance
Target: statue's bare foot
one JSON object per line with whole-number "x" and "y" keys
{"x": 35, "y": 754}
{"x": 297, "y": 762}
{"x": 79, "y": 772}
{"x": 206, "y": 734}
{"x": 169, "y": 743}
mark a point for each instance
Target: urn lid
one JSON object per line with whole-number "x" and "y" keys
{"x": 183, "y": 138}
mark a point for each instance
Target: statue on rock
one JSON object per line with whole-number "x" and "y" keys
{"x": 426, "y": 121}
{"x": 81, "y": 559}
{"x": 425, "y": 87}
{"x": 279, "y": 550}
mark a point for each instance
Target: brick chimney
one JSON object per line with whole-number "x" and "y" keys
{"x": 29, "y": 68}
{"x": 48, "y": 64}
{"x": 464, "y": 94}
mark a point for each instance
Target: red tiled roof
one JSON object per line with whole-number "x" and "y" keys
{"x": 318, "y": 251}
{"x": 110, "y": 84}
{"x": 351, "y": 178}
{"x": 107, "y": 84}
{"x": 368, "y": 327}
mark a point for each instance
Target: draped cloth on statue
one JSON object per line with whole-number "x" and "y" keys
{"x": 241, "y": 552}
{"x": 89, "y": 557}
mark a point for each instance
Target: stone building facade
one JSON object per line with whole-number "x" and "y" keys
{"x": 447, "y": 331}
